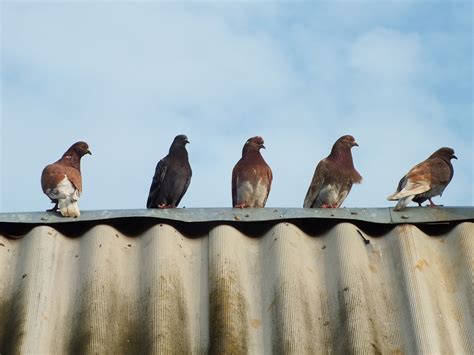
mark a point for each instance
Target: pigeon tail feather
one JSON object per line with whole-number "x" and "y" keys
{"x": 403, "y": 202}
{"x": 69, "y": 207}
{"x": 409, "y": 190}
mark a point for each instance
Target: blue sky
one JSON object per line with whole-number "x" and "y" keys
{"x": 128, "y": 76}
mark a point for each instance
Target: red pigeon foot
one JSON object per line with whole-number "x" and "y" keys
{"x": 242, "y": 205}
{"x": 54, "y": 209}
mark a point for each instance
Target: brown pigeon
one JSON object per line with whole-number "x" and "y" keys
{"x": 62, "y": 181}
{"x": 251, "y": 176}
{"x": 425, "y": 180}
{"x": 333, "y": 177}
{"x": 172, "y": 176}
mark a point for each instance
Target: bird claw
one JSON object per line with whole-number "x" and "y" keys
{"x": 163, "y": 206}
{"x": 242, "y": 205}
{"x": 54, "y": 208}
{"x": 328, "y": 206}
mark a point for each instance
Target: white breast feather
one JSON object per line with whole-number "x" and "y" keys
{"x": 67, "y": 198}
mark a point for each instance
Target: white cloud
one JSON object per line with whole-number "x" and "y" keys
{"x": 168, "y": 54}
{"x": 387, "y": 54}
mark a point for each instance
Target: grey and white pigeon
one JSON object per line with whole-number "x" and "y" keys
{"x": 172, "y": 176}
{"x": 251, "y": 176}
{"x": 62, "y": 180}
{"x": 425, "y": 180}
{"x": 334, "y": 175}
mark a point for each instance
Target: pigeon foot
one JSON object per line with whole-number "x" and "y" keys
{"x": 242, "y": 205}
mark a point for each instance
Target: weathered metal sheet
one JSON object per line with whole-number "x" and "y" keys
{"x": 302, "y": 286}
{"x": 373, "y": 215}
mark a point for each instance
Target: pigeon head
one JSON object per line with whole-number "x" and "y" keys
{"x": 179, "y": 145}
{"x": 181, "y": 140}
{"x": 73, "y": 155}
{"x": 346, "y": 141}
{"x": 444, "y": 153}
{"x": 343, "y": 146}
{"x": 79, "y": 148}
{"x": 253, "y": 144}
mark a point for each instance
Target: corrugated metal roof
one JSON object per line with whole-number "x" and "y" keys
{"x": 176, "y": 281}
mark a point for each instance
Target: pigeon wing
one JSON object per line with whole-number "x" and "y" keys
{"x": 158, "y": 178}
{"x": 235, "y": 181}
{"x": 417, "y": 181}
{"x": 316, "y": 184}
{"x": 185, "y": 188}
{"x": 53, "y": 174}
{"x": 269, "y": 176}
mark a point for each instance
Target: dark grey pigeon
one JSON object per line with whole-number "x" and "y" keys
{"x": 333, "y": 177}
{"x": 172, "y": 176}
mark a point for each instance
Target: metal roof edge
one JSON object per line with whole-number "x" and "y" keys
{"x": 372, "y": 215}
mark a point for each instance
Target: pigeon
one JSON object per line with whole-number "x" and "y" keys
{"x": 172, "y": 176}
{"x": 334, "y": 175}
{"x": 425, "y": 180}
{"x": 251, "y": 176}
{"x": 62, "y": 181}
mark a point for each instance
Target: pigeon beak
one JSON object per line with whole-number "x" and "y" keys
{"x": 89, "y": 152}
{"x": 355, "y": 144}
{"x": 262, "y": 146}
{"x": 455, "y": 157}
{"x": 187, "y": 141}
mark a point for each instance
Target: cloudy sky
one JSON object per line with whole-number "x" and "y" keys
{"x": 128, "y": 76}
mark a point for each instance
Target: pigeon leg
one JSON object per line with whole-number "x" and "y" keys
{"x": 55, "y": 208}
{"x": 325, "y": 205}
{"x": 242, "y": 205}
{"x": 432, "y": 204}
{"x": 164, "y": 205}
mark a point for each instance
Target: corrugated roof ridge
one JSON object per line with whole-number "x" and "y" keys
{"x": 371, "y": 215}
